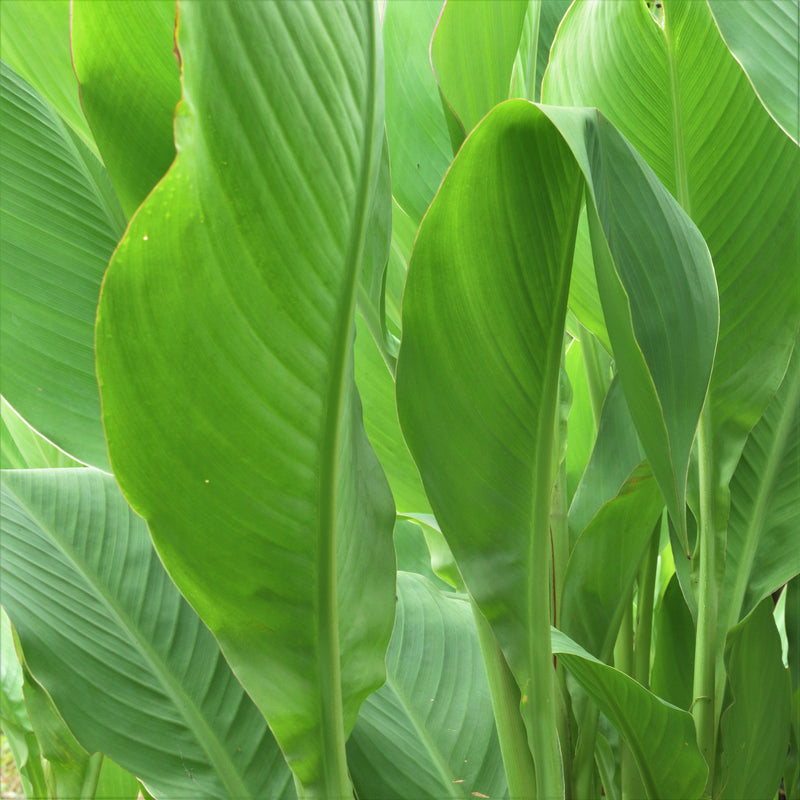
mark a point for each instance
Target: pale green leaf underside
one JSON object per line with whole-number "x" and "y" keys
{"x": 131, "y": 667}
{"x": 224, "y": 339}
{"x": 429, "y": 731}
{"x": 58, "y": 232}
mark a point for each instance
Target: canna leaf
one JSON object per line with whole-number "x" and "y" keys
{"x": 59, "y": 228}
{"x": 119, "y": 46}
{"x": 130, "y": 666}
{"x": 232, "y": 416}
{"x": 429, "y": 731}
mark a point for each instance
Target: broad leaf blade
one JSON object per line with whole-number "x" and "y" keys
{"x": 130, "y": 666}
{"x": 660, "y": 736}
{"x": 763, "y": 37}
{"x": 261, "y": 491}
{"x": 58, "y": 233}
{"x": 119, "y": 47}
{"x": 429, "y": 731}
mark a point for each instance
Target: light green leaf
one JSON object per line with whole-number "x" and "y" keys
{"x": 35, "y": 42}
{"x": 376, "y": 388}
{"x": 429, "y": 732}
{"x": 131, "y": 668}
{"x": 472, "y": 54}
{"x": 232, "y": 416}
{"x": 615, "y": 454}
{"x": 762, "y": 547}
{"x": 58, "y": 233}
{"x": 763, "y": 38}
{"x": 413, "y": 555}
{"x": 118, "y": 48}
{"x": 419, "y": 144}
{"x": 683, "y": 102}
{"x": 21, "y": 447}
{"x": 754, "y": 730}
{"x": 660, "y": 736}
{"x": 539, "y": 28}
{"x": 593, "y": 599}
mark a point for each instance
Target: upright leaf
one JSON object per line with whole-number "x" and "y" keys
{"x": 57, "y": 230}
{"x": 476, "y": 30}
{"x": 233, "y": 421}
{"x": 129, "y": 665}
{"x": 119, "y": 47}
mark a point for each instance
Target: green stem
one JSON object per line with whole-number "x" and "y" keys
{"x": 703, "y": 703}
{"x": 644, "y": 618}
{"x": 594, "y": 374}
{"x": 517, "y": 760}
{"x": 623, "y": 661}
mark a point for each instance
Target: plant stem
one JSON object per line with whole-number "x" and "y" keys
{"x": 92, "y": 775}
{"x": 623, "y": 661}
{"x": 703, "y": 703}
{"x": 517, "y": 760}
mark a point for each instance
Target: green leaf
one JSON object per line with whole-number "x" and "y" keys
{"x": 763, "y": 38}
{"x": 58, "y": 233}
{"x": 660, "y": 736}
{"x": 376, "y": 388}
{"x": 754, "y": 730}
{"x": 429, "y": 731}
{"x": 593, "y": 599}
{"x": 117, "y": 49}
{"x": 580, "y": 424}
{"x": 419, "y": 144}
{"x": 762, "y": 552}
{"x": 129, "y": 665}
{"x": 672, "y": 671}
{"x": 412, "y": 552}
{"x": 232, "y": 416}
{"x": 615, "y": 454}
{"x": 469, "y": 30}
{"x": 680, "y": 98}
{"x": 35, "y": 42}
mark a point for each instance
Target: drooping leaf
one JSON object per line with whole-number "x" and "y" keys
{"x": 763, "y": 38}
{"x": 660, "y": 736}
{"x": 35, "y": 43}
{"x": 57, "y": 234}
{"x": 413, "y": 555}
{"x": 131, "y": 668}
{"x": 419, "y": 144}
{"x": 762, "y": 545}
{"x": 119, "y": 47}
{"x": 684, "y": 103}
{"x": 754, "y": 730}
{"x": 472, "y": 54}
{"x": 232, "y": 416}
{"x": 429, "y": 731}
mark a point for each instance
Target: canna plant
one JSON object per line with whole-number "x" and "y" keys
{"x": 401, "y": 400}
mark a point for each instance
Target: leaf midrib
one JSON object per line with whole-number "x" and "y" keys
{"x": 194, "y": 718}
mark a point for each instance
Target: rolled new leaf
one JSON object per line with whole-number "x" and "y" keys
{"x": 224, "y": 341}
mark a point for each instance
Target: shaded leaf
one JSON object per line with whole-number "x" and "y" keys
{"x": 131, "y": 668}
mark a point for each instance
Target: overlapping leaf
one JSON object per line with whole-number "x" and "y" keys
{"x": 429, "y": 731}
{"x": 224, "y": 344}
{"x": 60, "y": 224}
{"x": 130, "y": 666}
